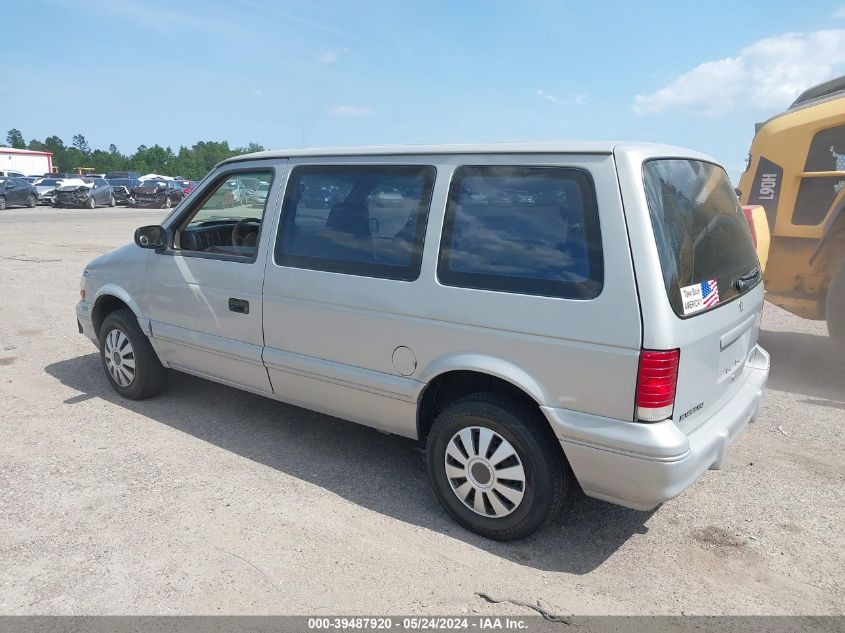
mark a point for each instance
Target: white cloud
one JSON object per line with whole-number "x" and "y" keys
{"x": 839, "y": 13}
{"x": 768, "y": 74}
{"x": 578, "y": 99}
{"x": 331, "y": 56}
{"x": 258, "y": 93}
{"x": 350, "y": 110}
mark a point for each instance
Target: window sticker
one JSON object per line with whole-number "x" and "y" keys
{"x": 700, "y": 296}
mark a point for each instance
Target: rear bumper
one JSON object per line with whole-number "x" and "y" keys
{"x": 640, "y": 465}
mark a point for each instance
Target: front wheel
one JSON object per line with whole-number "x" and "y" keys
{"x": 167, "y": 203}
{"x": 835, "y": 307}
{"x": 91, "y": 204}
{"x": 112, "y": 201}
{"x": 128, "y": 358}
{"x": 496, "y": 466}
{"x": 32, "y": 201}
{"x": 2, "y": 203}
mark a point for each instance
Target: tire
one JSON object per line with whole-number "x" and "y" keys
{"x": 835, "y": 308}
{"x": 526, "y": 443}
{"x": 32, "y": 201}
{"x": 91, "y": 204}
{"x": 167, "y": 203}
{"x": 2, "y": 203}
{"x": 112, "y": 201}
{"x": 148, "y": 377}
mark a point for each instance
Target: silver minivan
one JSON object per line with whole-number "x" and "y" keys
{"x": 531, "y": 313}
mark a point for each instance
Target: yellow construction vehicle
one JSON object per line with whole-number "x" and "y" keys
{"x": 796, "y": 172}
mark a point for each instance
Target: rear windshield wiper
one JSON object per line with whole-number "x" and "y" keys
{"x": 747, "y": 280}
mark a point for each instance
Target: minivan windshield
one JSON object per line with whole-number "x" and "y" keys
{"x": 703, "y": 240}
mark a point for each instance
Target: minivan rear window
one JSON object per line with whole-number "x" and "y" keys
{"x": 526, "y": 230}
{"x": 702, "y": 237}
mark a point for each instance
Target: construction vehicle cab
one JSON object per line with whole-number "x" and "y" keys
{"x": 796, "y": 172}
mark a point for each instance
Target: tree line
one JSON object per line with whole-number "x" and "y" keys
{"x": 189, "y": 162}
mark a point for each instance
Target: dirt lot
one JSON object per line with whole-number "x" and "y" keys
{"x": 210, "y": 500}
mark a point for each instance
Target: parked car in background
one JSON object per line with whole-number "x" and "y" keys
{"x": 320, "y": 196}
{"x": 16, "y": 192}
{"x": 501, "y": 197}
{"x": 525, "y": 198}
{"x": 30, "y": 179}
{"x": 187, "y": 186}
{"x": 162, "y": 194}
{"x": 87, "y": 193}
{"x": 10, "y": 174}
{"x": 122, "y": 174}
{"x": 46, "y": 188}
{"x": 473, "y": 197}
{"x": 259, "y": 196}
{"x": 122, "y": 189}
{"x": 387, "y": 197}
{"x": 241, "y": 190}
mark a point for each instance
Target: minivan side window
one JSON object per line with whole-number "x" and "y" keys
{"x": 526, "y": 230}
{"x": 366, "y": 220}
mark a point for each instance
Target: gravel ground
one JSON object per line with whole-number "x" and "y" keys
{"x": 208, "y": 500}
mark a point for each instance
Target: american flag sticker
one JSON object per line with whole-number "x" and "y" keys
{"x": 709, "y": 293}
{"x": 700, "y": 296}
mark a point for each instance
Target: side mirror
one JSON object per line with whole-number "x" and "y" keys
{"x": 152, "y": 236}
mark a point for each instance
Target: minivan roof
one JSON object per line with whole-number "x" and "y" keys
{"x": 537, "y": 147}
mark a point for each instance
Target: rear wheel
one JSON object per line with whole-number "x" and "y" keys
{"x": 835, "y": 307}
{"x": 128, "y": 358}
{"x": 167, "y": 202}
{"x": 2, "y": 203}
{"x": 495, "y": 466}
{"x": 32, "y": 201}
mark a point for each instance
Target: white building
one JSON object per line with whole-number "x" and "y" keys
{"x": 28, "y": 162}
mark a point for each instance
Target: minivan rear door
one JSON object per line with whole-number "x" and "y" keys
{"x": 699, "y": 278}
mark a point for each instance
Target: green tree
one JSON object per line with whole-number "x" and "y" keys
{"x": 15, "y": 139}
{"x": 37, "y": 146}
{"x": 81, "y": 143}
{"x": 191, "y": 162}
{"x": 56, "y": 145}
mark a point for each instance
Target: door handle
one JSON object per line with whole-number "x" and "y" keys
{"x": 239, "y": 305}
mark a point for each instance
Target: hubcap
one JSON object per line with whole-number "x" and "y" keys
{"x": 485, "y": 472}
{"x": 119, "y": 357}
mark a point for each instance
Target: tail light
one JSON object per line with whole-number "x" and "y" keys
{"x": 656, "y": 383}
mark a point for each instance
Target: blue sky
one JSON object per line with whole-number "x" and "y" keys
{"x": 306, "y": 73}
